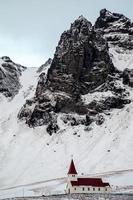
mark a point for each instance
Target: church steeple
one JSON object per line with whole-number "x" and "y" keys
{"x": 72, "y": 169}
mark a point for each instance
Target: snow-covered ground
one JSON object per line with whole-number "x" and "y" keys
{"x": 57, "y": 186}
{"x": 30, "y": 155}
{"x": 122, "y": 58}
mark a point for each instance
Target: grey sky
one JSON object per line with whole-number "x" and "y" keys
{"x": 30, "y": 29}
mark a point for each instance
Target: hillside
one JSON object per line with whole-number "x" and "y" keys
{"x": 80, "y": 103}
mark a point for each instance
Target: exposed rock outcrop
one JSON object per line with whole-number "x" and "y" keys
{"x": 128, "y": 77}
{"x": 118, "y": 31}
{"x": 116, "y": 28}
{"x": 45, "y": 66}
{"x": 81, "y": 62}
{"x": 81, "y": 66}
{"x": 9, "y": 76}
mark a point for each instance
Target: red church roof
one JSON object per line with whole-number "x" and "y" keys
{"x": 72, "y": 169}
{"x": 95, "y": 182}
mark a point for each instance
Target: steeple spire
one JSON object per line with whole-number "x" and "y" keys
{"x": 72, "y": 169}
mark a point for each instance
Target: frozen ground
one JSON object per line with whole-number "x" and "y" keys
{"x": 29, "y": 157}
{"x": 121, "y": 182}
{"x": 81, "y": 197}
{"x": 122, "y": 59}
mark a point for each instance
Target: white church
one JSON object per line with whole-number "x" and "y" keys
{"x": 77, "y": 184}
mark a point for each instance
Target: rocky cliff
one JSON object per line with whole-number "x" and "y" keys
{"x": 92, "y": 124}
{"x": 116, "y": 29}
{"x": 82, "y": 65}
{"x": 45, "y": 66}
{"x": 9, "y": 76}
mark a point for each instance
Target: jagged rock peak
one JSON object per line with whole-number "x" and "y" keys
{"x": 81, "y": 61}
{"x": 82, "y": 21}
{"x": 106, "y": 17}
{"x": 9, "y": 76}
{"x": 48, "y": 62}
{"x": 44, "y": 66}
{"x": 116, "y": 29}
{"x": 81, "y": 25}
{"x": 104, "y": 13}
{"x": 81, "y": 17}
{"x": 80, "y": 28}
{"x": 6, "y": 59}
{"x": 81, "y": 65}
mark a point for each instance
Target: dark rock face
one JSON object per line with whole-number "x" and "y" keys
{"x": 52, "y": 128}
{"x": 72, "y": 120}
{"x": 128, "y": 77}
{"x": 81, "y": 66}
{"x": 44, "y": 66}
{"x": 81, "y": 61}
{"x": 118, "y": 31}
{"x": 106, "y": 19}
{"x": 9, "y": 77}
{"x": 108, "y": 104}
{"x": 116, "y": 28}
{"x": 100, "y": 120}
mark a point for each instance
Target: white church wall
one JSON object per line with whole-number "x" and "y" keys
{"x": 86, "y": 189}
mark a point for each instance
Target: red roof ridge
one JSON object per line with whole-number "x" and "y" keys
{"x": 95, "y": 182}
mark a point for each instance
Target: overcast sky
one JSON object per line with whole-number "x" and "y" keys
{"x": 30, "y": 29}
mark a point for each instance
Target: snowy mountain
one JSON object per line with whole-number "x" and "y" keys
{"x": 9, "y": 76}
{"x": 80, "y": 104}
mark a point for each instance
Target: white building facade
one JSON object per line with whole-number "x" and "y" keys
{"x": 77, "y": 184}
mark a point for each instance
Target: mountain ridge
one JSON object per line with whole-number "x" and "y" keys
{"x": 81, "y": 65}
{"x": 100, "y": 140}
